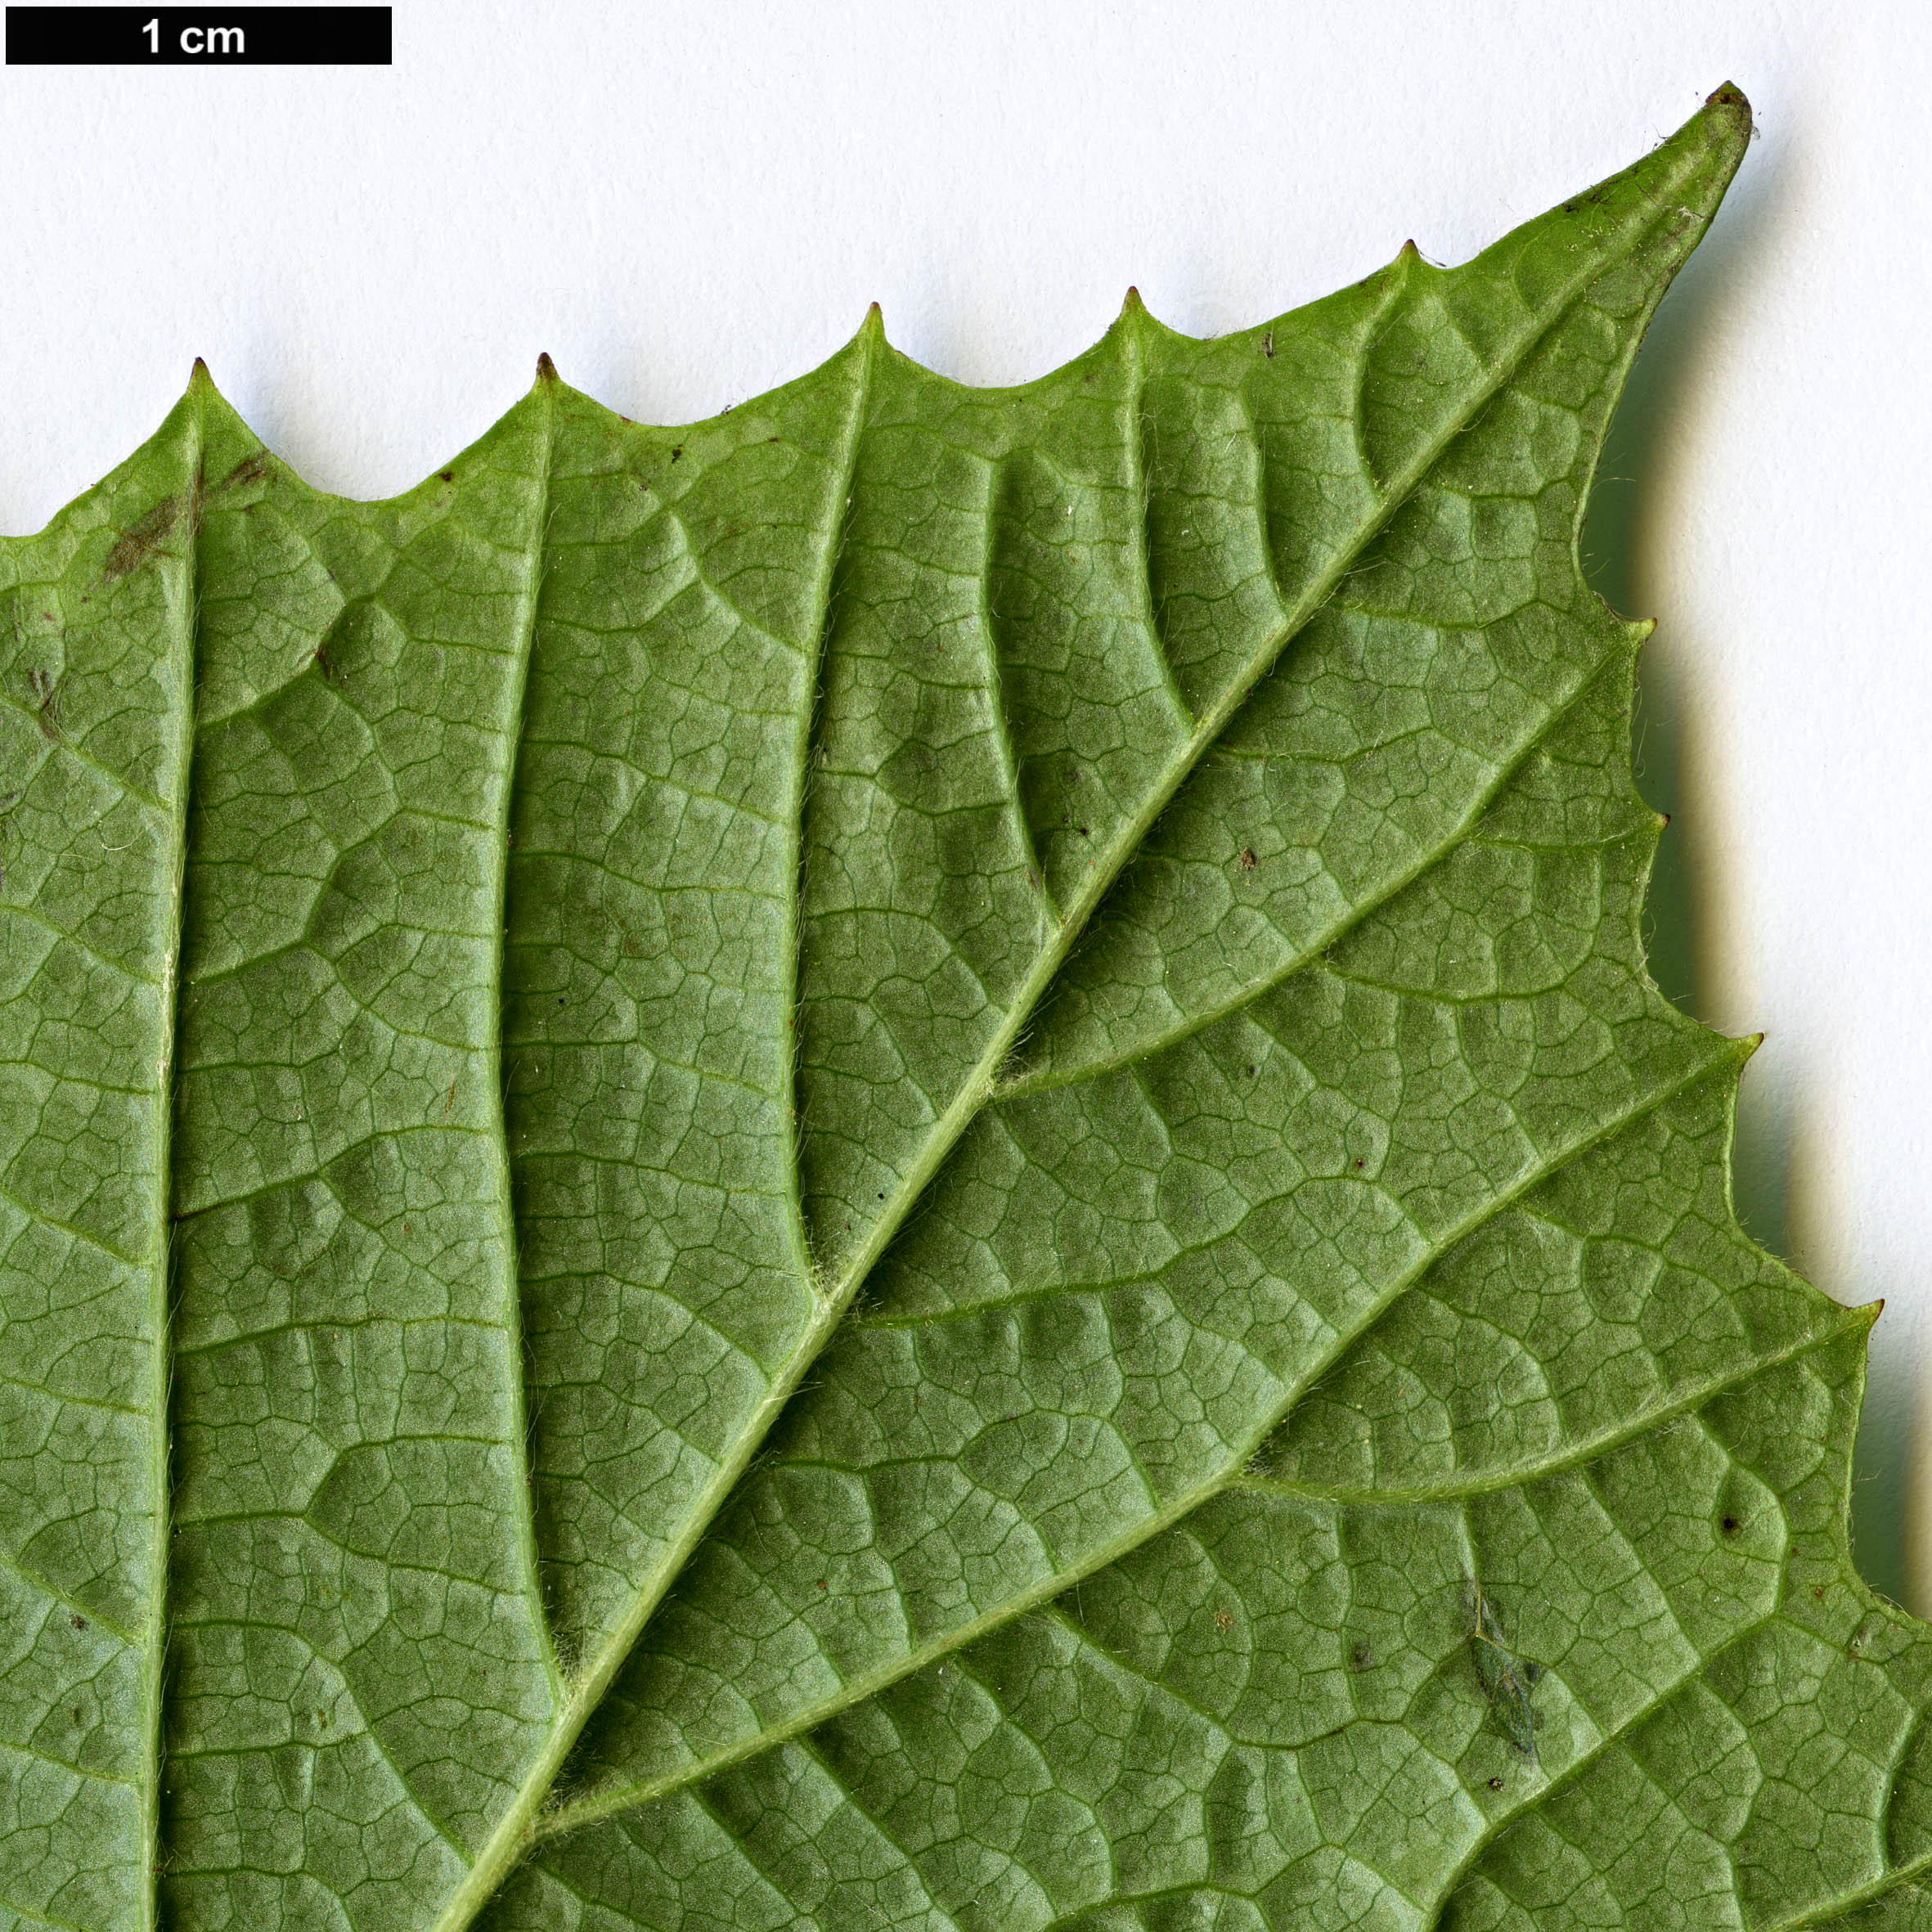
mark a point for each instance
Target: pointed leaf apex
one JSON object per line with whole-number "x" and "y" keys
{"x": 1133, "y": 305}
{"x": 198, "y": 376}
{"x": 873, "y": 329}
{"x": 1724, "y": 127}
{"x": 547, "y": 369}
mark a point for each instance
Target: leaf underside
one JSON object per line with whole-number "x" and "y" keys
{"x": 903, "y": 1161}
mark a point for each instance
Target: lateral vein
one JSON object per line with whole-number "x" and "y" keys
{"x": 515, "y": 1831}
{"x": 161, "y": 1436}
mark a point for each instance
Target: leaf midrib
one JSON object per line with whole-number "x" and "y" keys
{"x": 529, "y": 617}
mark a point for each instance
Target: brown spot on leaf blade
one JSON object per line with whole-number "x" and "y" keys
{"x": 142, "y": 543}
{"x": 1507, "y": 1679}
{"x": 47, "y": 692}
{"x": 249, "y": 469}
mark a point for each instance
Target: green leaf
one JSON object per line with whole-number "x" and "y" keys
{"x": 903, "y": 1161}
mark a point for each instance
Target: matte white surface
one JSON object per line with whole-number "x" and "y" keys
{"x": 687, "y": 203}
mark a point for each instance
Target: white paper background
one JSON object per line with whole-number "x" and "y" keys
{"x": 686, "y": 204}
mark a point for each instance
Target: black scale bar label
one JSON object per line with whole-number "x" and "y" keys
{"x": 214, "y": 36}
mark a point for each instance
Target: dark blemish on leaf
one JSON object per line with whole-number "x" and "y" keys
{"x": 45, "y": 690}
{"x": 1361, "y": 1163}
{"x": 1819, "y": 1593}
{"x": 249, "y": 469}
{"x": 447, "y": 475}
{"x": 323, "y": 662}
{"x": 1267, "y": 345}
{"x": 1868, "y": 1632}
{"x": 142, "y": 543}
{"x": 823, "y": 1584}
{"x": 77, "y": 1713}
{"x": 1360, "y": 1657}
{"x": 677, "y": 450}
{"x": 1495, "y": 1784}
{"x": 78, "y": 1621}
{"x": 1505, "y": 1677}
{"x": 1223, "y": 1621}
{"x": 1732, "y": 1525}
{"x": 1247, "y": 862}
